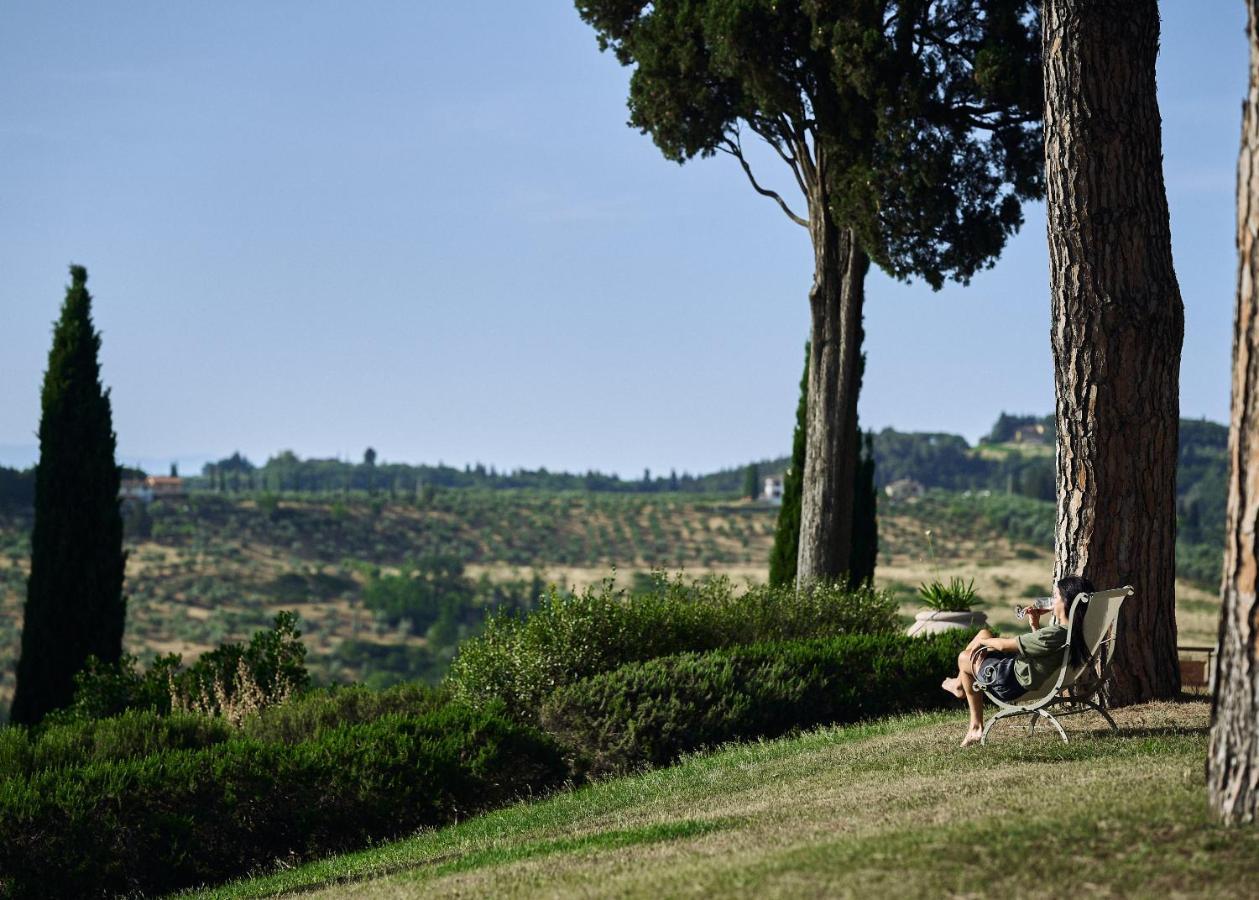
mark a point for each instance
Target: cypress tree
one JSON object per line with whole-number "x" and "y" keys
{"x": 865, "y": 526}
{"x": 782, "y": 558}
{"x": 74, "y": 602}
{"x": 865, "y": 522}
{"x": 752, "y": 481}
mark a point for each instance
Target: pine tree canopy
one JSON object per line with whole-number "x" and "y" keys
{"x": 917, "y": 121}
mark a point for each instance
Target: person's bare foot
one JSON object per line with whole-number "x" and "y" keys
{"x": 973, "y": 736}
{"x": 954, "y": 687}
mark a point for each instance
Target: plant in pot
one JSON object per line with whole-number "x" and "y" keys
{"x": 949, "y": 605}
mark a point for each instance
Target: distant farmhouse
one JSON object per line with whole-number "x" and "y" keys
{"x": 773, "y": 490}
{"x": 904, "y": 489}
{"x": 1030, "y": 434}
{"x": 153, "y": 487}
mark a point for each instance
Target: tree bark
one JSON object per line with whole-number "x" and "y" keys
{"x": 1117, "y": 325}
{"x": 832, "y": 445}
{"x": 1233, "y": 757}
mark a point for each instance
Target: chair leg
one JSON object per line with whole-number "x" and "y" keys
{"x": 1055, "y": 723}
{"x": 1104, "y": 714}
{"x": 1031, "y": 725}
{"x": 993, "y": 721}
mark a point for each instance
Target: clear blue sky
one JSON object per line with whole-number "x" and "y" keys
{"x": 425, "y": 227}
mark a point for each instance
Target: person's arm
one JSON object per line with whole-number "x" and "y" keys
{"x": 1001, "y": 644}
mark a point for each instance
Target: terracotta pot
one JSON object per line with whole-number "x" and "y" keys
{"x": 930, "y": 621}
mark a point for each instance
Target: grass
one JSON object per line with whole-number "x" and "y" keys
{"x": 887, "y": 808}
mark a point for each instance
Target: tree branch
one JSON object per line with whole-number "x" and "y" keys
{"x": 735, "y": 148}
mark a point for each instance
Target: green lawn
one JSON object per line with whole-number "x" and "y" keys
{"x": 889, "y": 809}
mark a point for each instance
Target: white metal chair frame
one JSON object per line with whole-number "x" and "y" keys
{"x": 1076, "y": 689}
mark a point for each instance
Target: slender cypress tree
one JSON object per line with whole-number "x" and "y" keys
{"x": 783, "y": 556}
{"x": 865, "y": 521}
{"x": 74, "y": 602}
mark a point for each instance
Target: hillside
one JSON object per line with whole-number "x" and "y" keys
{"x": 216, "y": 568}
{"x": 889, "y": 808}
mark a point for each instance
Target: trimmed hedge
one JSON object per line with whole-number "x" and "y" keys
{"x": 567, "y": 638}
{"x": 185, "y": 817}
{"x": 649, "y": 713}
{"x": 135, "y": 733}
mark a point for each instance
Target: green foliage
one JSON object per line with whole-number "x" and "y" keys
{"x": 956, "y": 596}
{"x": 424, "y": 592}
{"x": 649, "y": 713}
{"x": 178, "y": 818}
{"x": 308, "y": 715}
{"x": 269, "y": 668}
{"x": 382, "y": 665}
{"x": 784, "y": 555}
{"x": 567, "y": 638}
{"x": 75, "y": 607}
{"x": 927, "y": 120}
{"x": 56, "y": 745}
{"x": 752, "y": 482}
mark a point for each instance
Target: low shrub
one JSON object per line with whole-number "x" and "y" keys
{"x": 648, "y": 713}
{"x": 132, "y": 734}
{"x": 309, "y": 715}
{"x": 520, "y": 661}
{"x": 233, "y": 681}
{"x": 185, "y": 817}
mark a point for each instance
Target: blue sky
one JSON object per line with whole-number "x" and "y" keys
{"x": 425, "y": 227}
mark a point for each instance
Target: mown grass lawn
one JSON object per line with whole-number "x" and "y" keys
{"x": 892, "y": 809}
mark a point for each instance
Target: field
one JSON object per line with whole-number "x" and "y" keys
{"x": 889, "y": 808}
{"x": 215, "y": 568}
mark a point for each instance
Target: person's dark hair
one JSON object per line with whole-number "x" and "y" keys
{"x": 1071, "y": 587}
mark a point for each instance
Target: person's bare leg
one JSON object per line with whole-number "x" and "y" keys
{"x": 974, "y": 703}
{"x": 953, "y": 684}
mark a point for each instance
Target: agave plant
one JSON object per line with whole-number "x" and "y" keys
{"x": 956, "y": 596}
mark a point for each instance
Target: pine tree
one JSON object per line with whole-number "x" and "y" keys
{"x": 911, "y": 133}
{"x": 75, "y": 607}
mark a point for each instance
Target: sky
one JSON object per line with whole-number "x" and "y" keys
{"x": 425, "y": 227}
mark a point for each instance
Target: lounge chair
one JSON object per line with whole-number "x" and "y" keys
{"x": 1076, "y": 689}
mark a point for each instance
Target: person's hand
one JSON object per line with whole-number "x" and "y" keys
{"x": 1034, "y": 614}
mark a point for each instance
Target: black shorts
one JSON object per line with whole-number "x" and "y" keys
{"x": 996, "y": 674}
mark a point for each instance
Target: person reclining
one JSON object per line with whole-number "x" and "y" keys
{"x": 1010, "y": 667}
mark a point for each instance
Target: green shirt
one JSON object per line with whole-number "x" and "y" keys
{"x": 1040, "y": 655}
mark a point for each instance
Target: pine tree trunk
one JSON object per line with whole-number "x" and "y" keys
{"x": 1233, "y": 757}
{"x": 1118, "y": 324}
{"x": 832, "y": 445}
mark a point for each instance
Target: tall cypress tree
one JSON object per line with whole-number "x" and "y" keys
{"x": 74, "y": 602}
{"x": 865, "y": 526}
{"x": 783, "y": 556}
{"x": 865, "y": 520}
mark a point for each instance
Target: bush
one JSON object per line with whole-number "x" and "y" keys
{"x": 648, "y": 713}
{"x": 134, "y": 733}
{"x": 567, "y": 638}
{"x": 180, "y": 818}
{"x": 309, "y": 715}
{"x": 233, "y": 681}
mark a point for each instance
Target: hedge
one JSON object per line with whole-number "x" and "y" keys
{"x": 180, "y": 818}
{"x": 567, "y": 638}
{"x": 648, "y": 713}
